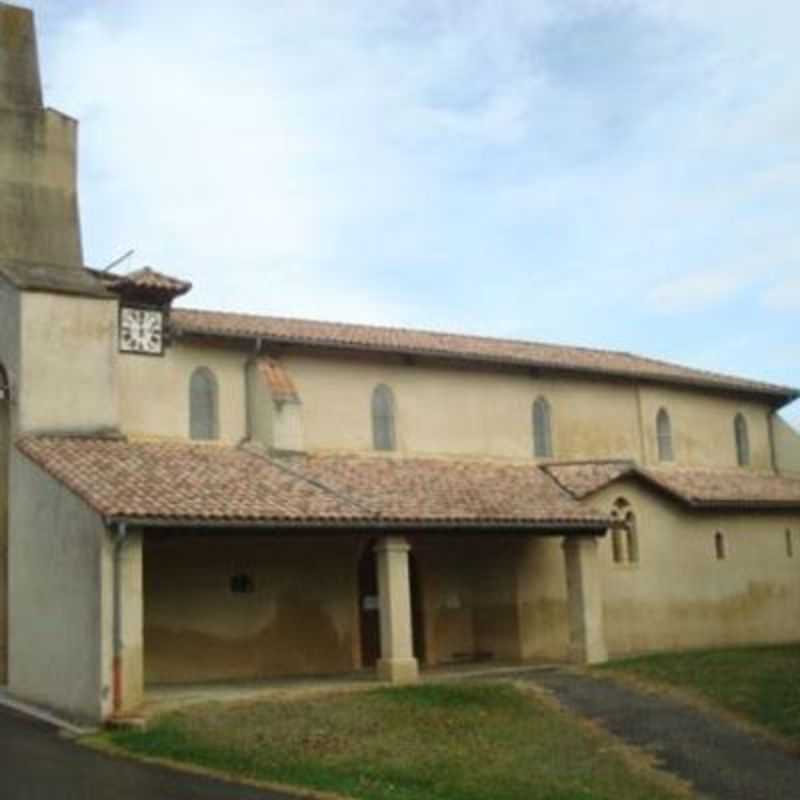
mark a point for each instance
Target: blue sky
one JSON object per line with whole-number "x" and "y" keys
{"x": 615, "y": 174}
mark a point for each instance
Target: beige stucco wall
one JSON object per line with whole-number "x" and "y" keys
{"x": 470, "y": 595}
{"x": 702, "y": 427}
{"x": 447, "y": 410}
{"x": 9, "y": 359}
{"x": 441, "y": 409}
{"x": 787, "y": 446}
{"x": 544, "y": 620}
{"x": 154, "y": 392}
{"x": 300, "y": 619}
{"x": 483, "y": 596}
{"x": 67, "y": 376}
{"x": 57, "y": 621}
{"x": 679, "y": 595}
{"x": 303, "y": 617}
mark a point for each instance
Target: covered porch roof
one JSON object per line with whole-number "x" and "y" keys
{"x": 173, "y": 483}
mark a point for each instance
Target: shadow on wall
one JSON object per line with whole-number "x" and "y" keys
{"x": 301, "y": 640}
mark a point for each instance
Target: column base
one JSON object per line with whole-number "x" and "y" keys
{"x": 398, "y": 670}
{"x": 594, "y": 653}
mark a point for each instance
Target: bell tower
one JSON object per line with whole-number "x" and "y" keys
{"x": 39, "y": 220}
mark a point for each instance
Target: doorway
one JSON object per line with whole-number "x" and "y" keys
{"x": 369, "y": 608}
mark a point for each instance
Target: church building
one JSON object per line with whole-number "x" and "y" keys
{"x": 197, "y": 496}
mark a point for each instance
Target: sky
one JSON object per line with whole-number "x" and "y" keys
{"x": 619, "y": 174}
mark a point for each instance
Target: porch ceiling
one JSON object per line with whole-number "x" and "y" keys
{"x": 185, "y": 482}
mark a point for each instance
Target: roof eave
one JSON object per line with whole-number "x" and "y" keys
{"x": 548, "y": 527}
{"x": 745, "y": 505}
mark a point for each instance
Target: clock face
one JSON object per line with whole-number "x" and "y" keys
{"x": 141, "y": 331}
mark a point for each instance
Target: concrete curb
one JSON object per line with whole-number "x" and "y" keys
{"x": 42, "y": 715}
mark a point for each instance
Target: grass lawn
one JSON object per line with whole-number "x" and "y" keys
{"x": 431, "y": 742}
{"x": 759, "y": 683}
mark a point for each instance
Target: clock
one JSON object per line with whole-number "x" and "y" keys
{"x": 141, "y": 330}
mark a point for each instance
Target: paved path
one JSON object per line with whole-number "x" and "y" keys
{"x": 719, "y": 760}
{"x": 37, "y": 764}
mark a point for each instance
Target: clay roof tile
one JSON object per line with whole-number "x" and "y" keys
{"x": 184, "y": 481}
{"x": 532, "y": 355}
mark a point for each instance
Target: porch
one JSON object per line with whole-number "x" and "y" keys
{"x": 232, "y": 614}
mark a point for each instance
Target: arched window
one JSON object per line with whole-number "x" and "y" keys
{"x": 789, "y": 544}
{"x": 624, "y": 533}
{"x": 383, "y": 434}
{"x": 542, "y": 432}
{"x": 742, "y": 440}
{"x": 719, "y": 546}
{"x": 664, "y": 436}
{"x": 203, "y": 405}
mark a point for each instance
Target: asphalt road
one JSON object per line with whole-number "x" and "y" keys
{"x": 36, "y": 763}
{"x": 718, "y": 759}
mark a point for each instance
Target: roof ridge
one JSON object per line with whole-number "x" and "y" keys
{"x": 426, "y": 331}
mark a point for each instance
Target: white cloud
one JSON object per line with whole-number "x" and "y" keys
{"x": 520, "y": 167}
{"x": 694, "y": 292}
{"x": 784, "y": 296}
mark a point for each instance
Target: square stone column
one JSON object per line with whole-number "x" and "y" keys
{"x": 397, "y": 663}
{"x": 587, "y": 643}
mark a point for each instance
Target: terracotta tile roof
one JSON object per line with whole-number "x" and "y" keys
{"x": 447, "y": 345}
{"x": 180, "y": 481}
{"x": 700, "y": 488}
{"x": 582, "y": 478}
{"x": 148, "y": 279}
{"x": 734, "y": 488}
{"x": 280, "y": 384}
{"x": 443, "y": 489}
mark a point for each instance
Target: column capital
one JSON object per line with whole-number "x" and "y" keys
{"x": 579, "y": 540}
{"x": 393, "y": 544}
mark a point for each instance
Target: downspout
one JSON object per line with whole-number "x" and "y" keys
{"x": 771, "y": 414}
{"x": 248, "y": 400}
{"x": 116, "y": 663}
{"x": 640, "y": 415}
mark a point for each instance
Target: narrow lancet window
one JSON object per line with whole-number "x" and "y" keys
{"x": 542, "y": 431}
{"x": 719, "y": 546}
{"x": 664, "y": 436}
{"x": 742, "y": 440}
{"x": 383, "y": 423}
{"x": 203, "y": 405}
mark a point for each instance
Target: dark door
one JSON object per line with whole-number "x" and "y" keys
{"x": 417, "y": 617}
{"x": 369, "y": 609}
